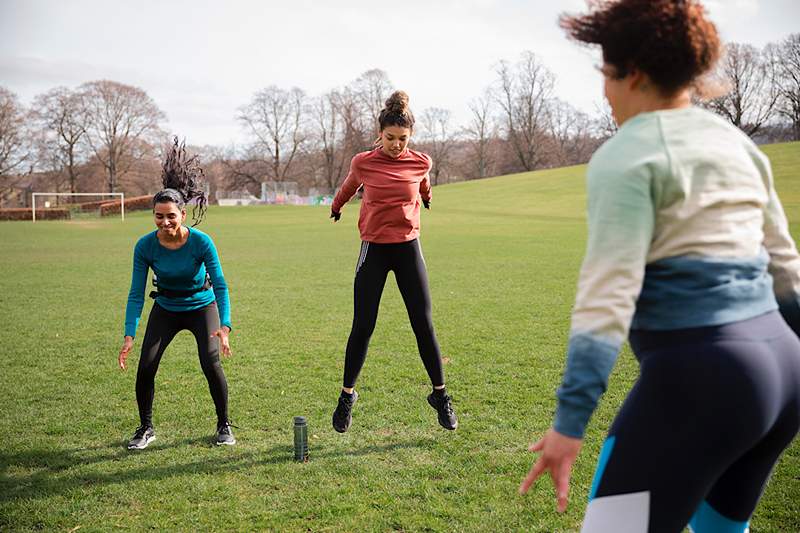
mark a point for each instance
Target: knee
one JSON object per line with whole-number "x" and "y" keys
{"x": 362, "y": 330}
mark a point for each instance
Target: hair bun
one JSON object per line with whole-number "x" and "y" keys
{"x": 397, "y": 102}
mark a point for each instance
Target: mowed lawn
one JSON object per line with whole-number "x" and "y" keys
{"x": 503, "y": 256}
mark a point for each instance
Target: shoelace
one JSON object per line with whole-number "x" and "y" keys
{"x": 140, "y": 431}
{"x": 347, "y": 402}
{"x": 446, "y": 405}
{"x": 226, "y": 428}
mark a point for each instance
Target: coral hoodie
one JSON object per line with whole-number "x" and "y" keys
{"x": 391, "y": 198}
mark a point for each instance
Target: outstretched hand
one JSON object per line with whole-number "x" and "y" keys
{"x": 125, "y": 351}
{"x": 225, "y": 345}
{"x": 557, "y": 455}
{"x": 335, "y": 216}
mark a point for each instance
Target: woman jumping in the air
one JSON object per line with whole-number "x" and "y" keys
{"x": 690, "y": 256}
{"x": 191, "y": 294}
{"x": 393, "y": 178}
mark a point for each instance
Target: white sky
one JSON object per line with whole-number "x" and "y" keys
{"x": 200, "y": 59}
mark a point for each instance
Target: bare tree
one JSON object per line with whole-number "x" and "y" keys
{"x": 353, "y": 123}
{"x": 14, "y": 151}
{"x": 373, "y": 88}
{"x": 604, "y": 124}
{"x": 785, "y": 60}
{"x": 570, "y": 131}
{"x": 276, "y": 118}
{"x": 438, "y": 140}
{"x": 523, "y": 92}
{"x": 61, "y": 118}
{"x": 243, "y": 168}
{"x": 752, "y": 95}
{"x": 120, "y": 118}
{"x": 480, "y": 132}
{"x": 329, "y": 134}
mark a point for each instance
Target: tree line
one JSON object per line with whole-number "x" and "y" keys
{"x": 107, "y": 136}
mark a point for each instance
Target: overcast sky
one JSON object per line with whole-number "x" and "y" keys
{"x": 200, "y": 60}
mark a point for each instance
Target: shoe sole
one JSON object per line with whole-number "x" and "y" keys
{"x": 143, "y": 446}
{"x": 430, "y": 402}
{"x": 218, "y": 443}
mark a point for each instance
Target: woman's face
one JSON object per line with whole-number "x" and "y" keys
{"x": 168, "y": 218}
{"x": 394, "y": 140}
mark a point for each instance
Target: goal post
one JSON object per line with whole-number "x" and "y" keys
{"x": 120, "y": 195}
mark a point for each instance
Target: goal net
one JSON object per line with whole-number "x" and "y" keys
{"x": 76, "y": 205}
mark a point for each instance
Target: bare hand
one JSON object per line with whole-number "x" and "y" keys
{"x": 558, "y": 454}
{"x": 124, "y": 351}
{"x": 222, "y": 333}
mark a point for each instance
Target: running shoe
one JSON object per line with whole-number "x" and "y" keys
{"x": 342, "y": 416}
{"x": 444, "y": 407}
{"x": 225, "y": 434}
{"x": 143, "y": 436}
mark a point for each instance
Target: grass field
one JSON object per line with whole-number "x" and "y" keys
{"x": 503, "y": 256}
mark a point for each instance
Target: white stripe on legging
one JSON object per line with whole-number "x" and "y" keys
{"x": 363, "y": 256}
{"x": 622, "y": 513}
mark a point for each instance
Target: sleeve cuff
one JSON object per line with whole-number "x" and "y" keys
{"x": 589, "y": 362}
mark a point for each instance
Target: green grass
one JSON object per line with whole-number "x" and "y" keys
{"x": 503, "y": 256}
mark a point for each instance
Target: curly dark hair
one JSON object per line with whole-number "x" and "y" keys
{"x": 396, "y": 112}
{"x": 672, "y": 41}
{"x": 181, "y": 177}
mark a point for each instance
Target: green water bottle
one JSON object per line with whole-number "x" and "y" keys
{"x": 300, "y": 439}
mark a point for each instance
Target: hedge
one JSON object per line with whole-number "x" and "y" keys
{"x": 137, "y": 203}
{"x": 24, "y": 213}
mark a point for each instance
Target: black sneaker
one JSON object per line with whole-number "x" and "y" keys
{"x": 143, "y": 436}
{"x": 447, "y": 417}
{"x": 342, "y": 416}
{"x": 225, "y": 434}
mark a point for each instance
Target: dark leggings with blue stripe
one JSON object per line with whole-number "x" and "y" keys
{"x": 375, "y": 262}
{"x": 698, "y": 435}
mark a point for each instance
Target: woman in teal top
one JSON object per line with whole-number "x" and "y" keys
{"x": 191, "y": 294}
{"x": 690, "y": 258}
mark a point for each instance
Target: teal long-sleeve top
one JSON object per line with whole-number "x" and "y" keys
{"x": 183, "y": 269}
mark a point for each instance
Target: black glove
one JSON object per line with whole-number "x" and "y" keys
{"x": 335, "y": 216}
{"x": 426, "y": 203}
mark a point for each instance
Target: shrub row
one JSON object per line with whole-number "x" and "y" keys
{"x": 137, "y": 203}
{"x": 24, "y": 213}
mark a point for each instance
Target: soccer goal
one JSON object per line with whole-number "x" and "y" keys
{"x": 77, "y": 207}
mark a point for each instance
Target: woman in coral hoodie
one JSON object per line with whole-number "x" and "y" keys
{"x": 395, "y": 181}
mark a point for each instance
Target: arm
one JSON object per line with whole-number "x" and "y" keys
{"x": 621, "y": 221}
{"x": 214, "y": 269}
{"x": 133, "y": 310}
{"x": 348, "y": 189}
{"x": 784, "y": 262}
{"x": 425, "y": 185}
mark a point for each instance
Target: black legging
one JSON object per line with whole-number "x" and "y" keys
{"x": 374, "y": 263}
{"x": 713, "y": 409}
{"x": 162, "y": 326}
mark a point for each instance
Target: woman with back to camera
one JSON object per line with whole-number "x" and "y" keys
{"x": 191, "y": 294}
{"x": 689, "y": 254}
{"x": 393, "y": 178}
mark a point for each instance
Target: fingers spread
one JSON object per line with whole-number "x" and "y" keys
{"x": 536, "y": 446}
{"x": 535, "y": 472}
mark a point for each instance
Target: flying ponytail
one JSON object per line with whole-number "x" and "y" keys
{"x": 181, "y": 177}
